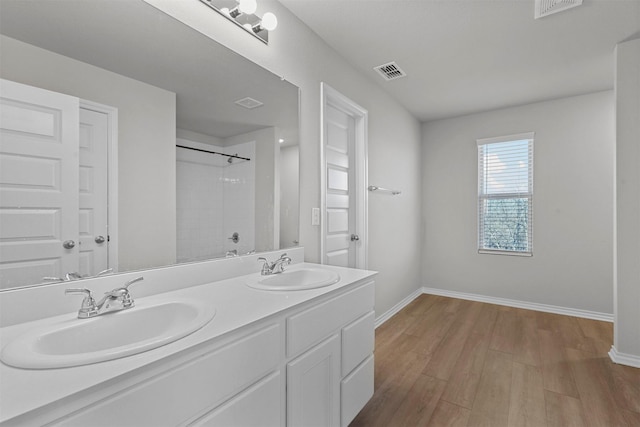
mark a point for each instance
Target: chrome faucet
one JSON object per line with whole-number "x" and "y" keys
{"x": 67, "y": 277}
{"x": 114, "y": 300}
{"x": 73, "y": 275}
{"x": 274, "y": 267}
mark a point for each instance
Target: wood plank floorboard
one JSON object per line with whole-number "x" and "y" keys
{"x": 451, "y": 362}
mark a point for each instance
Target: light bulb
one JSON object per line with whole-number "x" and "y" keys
{"x": 248, "y": 6}
{"x": 269, "y": 21}
{"x": 247, "y": 27}
{"x": 225, "y": 10}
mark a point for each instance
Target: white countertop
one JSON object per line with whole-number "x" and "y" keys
{"x": 237, "y": 305}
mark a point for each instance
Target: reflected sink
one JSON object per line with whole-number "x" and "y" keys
{"x": 111, "y": 336}
{"x": 296, "y": 280}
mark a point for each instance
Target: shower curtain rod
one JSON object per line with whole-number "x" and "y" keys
{"x": 235, "y": 156}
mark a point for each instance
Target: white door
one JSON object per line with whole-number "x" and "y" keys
{"x": 39, "y": 172}
{"x": 93, "y": 233}
{"x": 345, "y": 200}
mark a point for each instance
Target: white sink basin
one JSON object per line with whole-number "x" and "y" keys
{"x": 296, "y": 280}
{"x": 123, "y": 333}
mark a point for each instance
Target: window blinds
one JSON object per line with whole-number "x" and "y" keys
{"x": 505, "y": 195}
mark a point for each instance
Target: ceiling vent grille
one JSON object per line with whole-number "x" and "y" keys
{"x": 249, "y": 103}
{"x": 390, "y": 71}
{"x": 549, "y": 7}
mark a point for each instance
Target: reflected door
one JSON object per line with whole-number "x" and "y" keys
{"x": 92, "y": 225}
{"x": 39, "y": 199}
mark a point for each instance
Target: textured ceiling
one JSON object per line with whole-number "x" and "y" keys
{"x": 465, "y": 56}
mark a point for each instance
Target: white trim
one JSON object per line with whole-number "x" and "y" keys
{"x": 396, "y": 308}
{"x": 500, "y": 252}
{"x": 624, "y": 358}
{"x": 328, "y": 95}
{"x": 575, "y": 312}
{"x": 112, "y": 171}
{"x": 507, "y": 138}
{"x": 484, "y": 196}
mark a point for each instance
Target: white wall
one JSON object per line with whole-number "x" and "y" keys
{"x": 299, "y": 55}
{"x": 146, "y": 145}
{"x": 573, "y": 212}
{"x": 289, "y": 196}
{"x": 627, "y": 287}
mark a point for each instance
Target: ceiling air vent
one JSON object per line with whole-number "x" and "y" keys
{"x": 549, "y": 7}
{"x": 249, "y": 103}
{"x": 390, "y": 71}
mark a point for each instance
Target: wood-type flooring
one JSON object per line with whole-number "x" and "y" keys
{"x": 451, "y": 362}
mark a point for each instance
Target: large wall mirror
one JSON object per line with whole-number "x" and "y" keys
{"x": 198, "y": 146}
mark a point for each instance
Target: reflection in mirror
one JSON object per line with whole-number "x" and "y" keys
{"x": 143, "y": 85}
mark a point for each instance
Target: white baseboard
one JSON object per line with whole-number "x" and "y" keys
{"x": 624, "y": 358}
{"x": 396, "y": 308}
{"x": 606, "y": 317}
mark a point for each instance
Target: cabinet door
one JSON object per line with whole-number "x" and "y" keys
{"x": 313, "y": 386}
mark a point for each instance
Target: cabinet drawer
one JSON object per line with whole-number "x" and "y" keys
{"x": 174, "y": 396}
{"x": 357, "y": 342}
{"x": 355, "y": 391}
{"x": 316, "y": 323}
{"x": 258, "y": 406}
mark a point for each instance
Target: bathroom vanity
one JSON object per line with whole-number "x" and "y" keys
{"x": 267, "y": 358}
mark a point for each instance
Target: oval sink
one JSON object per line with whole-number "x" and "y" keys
{"x": 296, "y": 280}
{"x": 111, "y": 336}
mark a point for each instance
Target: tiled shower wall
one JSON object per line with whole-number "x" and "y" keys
{"x": 214, "y": 199}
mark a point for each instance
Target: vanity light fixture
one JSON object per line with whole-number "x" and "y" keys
{"x": 242, "y": 13}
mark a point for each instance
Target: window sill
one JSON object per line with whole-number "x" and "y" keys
{"x": 508, "y": 253}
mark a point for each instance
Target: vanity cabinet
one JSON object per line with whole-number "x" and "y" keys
{"x": 328, "y": 384}
{"x": 182, "y": 393}
{"x": 309, "y": 365}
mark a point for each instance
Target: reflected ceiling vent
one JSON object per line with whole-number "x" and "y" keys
{"x": 549, "y": 7}
{"x": 390, "y": 71}
{"x": 249, "y": 103}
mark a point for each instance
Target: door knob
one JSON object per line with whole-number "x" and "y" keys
{"x": 355, "y": 237}
{"x": 99, "y": 239}
{"x": 68, "y": 244}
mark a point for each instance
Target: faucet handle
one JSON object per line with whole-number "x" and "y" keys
{"x": 267, "y": 267}
{"x": 88, "y": 303}
{"x": 131, "y": 282}
{"x": 85, "y": 291}
{"x": 122, "y": 291}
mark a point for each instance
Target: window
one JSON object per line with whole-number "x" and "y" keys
{"x": 505, "y": 195}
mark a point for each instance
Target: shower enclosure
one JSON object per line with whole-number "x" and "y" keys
{"x": 215, "y": 200}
